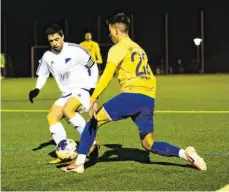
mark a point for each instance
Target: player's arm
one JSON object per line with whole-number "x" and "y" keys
{"x": 43, "y": 74}
{"x": 81, "y": 44}
{"x": 104, "y": 80}
{"x": 98, "y": 54}
{"x": 41, "y": 80}
{"x": 115, "y": 56}
{"x": 87, "y": 61}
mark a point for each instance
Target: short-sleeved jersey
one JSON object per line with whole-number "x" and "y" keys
{"x": 134, "y": 73}
{"x": 70, "y": 67}
{"x": 93, "y": 49}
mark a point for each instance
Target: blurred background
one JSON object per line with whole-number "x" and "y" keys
{"x": 166, "y": 29}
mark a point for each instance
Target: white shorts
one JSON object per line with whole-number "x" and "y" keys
{"x": 81, "y": 94}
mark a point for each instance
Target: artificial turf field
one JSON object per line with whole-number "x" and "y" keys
{"x": 190, "y": 111}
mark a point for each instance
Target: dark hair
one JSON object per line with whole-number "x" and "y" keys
{"x": 119, "y": 18}
{"x": 87, "y": 31}
{"x": 54, "y": 28}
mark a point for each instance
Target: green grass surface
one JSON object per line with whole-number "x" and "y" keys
{"x": 122, "y": 167}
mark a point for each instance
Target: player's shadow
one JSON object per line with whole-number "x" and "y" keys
{"x": 118, "y": 153}
{"x": 45, "y": 144}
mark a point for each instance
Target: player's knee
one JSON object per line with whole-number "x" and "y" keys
{"x": 53, "y": 117}
{"x": 71, "y": 106}
{"x": 102, "y": 117}
{"x": 68, "y": 112}
{"x": 147, "y": 140}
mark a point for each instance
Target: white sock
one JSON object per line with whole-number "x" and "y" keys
{"x": 80, "y": 159}
{"x": 78, "y": 122}
{"x": 182, "y": 154}
{"x": 58, "y": 132}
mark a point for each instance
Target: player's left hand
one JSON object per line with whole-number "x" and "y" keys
{"x": 33, "y": 94}
{"x": 93, "y": 109}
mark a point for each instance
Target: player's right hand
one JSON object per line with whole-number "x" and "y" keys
{"x": 93, "y": 109}
{"x": 33, "y": 94}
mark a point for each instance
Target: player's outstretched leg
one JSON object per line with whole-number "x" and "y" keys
{"x": 79, "y": 123}
{"x": 166, "y": 149}
{"x": 72, "y": 105}
{"x": 86, "y": 141}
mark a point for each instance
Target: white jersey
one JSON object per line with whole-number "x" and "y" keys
{"x": 70, "y": 68}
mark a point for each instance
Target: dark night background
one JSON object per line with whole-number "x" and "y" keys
{"x": 17, "y": 28}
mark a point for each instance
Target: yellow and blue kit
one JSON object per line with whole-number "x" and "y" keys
{"x": 136, "y": 100}
{"x": 138, "y": 84}
{"x": 130, "y": 61}
{"x": 93, "y": 48}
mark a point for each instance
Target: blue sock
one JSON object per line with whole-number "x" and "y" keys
{"x": 165, "y": 149}
{"x": 88, "y": 136}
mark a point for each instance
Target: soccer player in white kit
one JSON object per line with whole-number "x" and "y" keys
{"x": 76, "y": 75}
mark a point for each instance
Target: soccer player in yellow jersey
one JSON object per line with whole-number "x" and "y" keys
{"x": 92, "y": 47}
{"x": 2, "y": 65}
{"x": 136, "y": 100}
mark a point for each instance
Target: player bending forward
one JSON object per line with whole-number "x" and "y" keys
{"x": 136, "y": 100}
{"x": 76, "y": 75}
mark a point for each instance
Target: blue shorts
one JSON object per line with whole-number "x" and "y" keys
{"x": 137, "y": 106}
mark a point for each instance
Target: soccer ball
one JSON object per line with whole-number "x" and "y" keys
{"x": 67, "y": 149}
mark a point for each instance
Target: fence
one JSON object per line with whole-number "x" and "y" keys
{"x": 166, "y": 37}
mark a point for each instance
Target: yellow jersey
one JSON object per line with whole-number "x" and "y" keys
{"x": 93, "y": 49}
{"x": 134, "y": 73}
{"x": 2, "y": 60}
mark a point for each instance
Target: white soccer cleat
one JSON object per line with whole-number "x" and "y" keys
{"x": 74, "y": 168}
{"x": 195, "y": 159}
